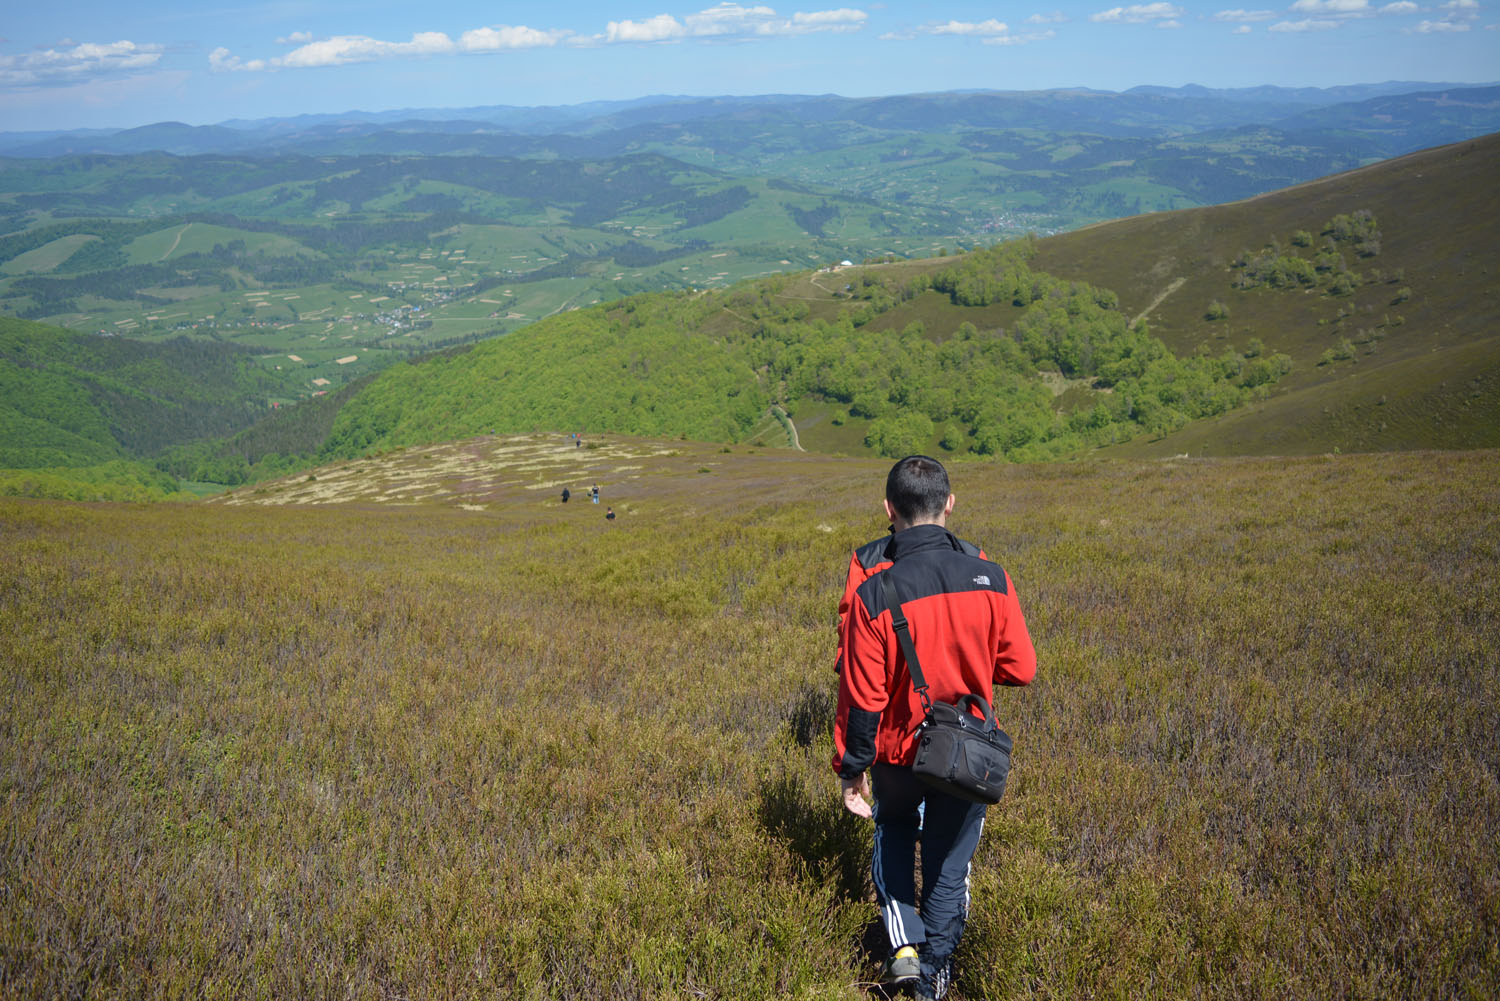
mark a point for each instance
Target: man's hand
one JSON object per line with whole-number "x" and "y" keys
{"x": 857, "y": 795}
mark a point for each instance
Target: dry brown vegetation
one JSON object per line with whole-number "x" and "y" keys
{"x": 1425, "y": 371}
{"x": 347, "y": 748}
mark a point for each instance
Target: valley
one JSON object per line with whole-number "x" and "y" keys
{"x": 838, "y": 283}
{"x": 318, "y": 685}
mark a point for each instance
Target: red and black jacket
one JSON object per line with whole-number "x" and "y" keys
{"x": 867, "y": 561}
{"x": 969, "y": 634}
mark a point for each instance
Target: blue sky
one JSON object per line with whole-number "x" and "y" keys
{"x": 106, "y": 63}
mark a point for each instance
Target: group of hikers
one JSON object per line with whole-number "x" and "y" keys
{"x": 609, "y": 512}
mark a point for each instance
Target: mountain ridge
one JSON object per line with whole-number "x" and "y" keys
{"x": 1220, "y": 107}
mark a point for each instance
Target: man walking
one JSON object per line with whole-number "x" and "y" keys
{"x": 969, "y": 635}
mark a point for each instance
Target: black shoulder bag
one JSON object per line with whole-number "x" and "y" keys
{"x": 956, "y": 753}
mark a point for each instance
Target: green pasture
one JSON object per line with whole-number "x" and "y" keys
{"x": 288, "y": 200}
{"x": 491, "y": 246}
{"x": 46, "y": 257}
{"x": 202, "y": 238}
{"x": 1152, "y": 197}
{"x": 469, "y": 199}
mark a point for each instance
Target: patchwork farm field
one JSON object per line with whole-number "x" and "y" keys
{"x": 410, "y": 726}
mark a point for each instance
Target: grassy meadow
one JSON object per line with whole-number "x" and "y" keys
{"x": 410, "y": 727}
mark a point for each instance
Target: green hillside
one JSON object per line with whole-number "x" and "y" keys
{"x": 1395, "y": 346}
{"x": 347, "y": 264}
{"x": 1364, "y": 299}
{"x": 76, "y": 400}
{"x": 1353, "y": 313}
{"x": 977, "y": 377}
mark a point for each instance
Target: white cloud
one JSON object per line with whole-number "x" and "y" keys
{"x": 1400, "y": 7}
{"x": 1461, "y": 10}
{"x": 1056, "y": 17}
{"x": 76, "y": 61}
{"x": 340, "y": 50}
{"x": 1243, "y": 29}
{"x": 221, "y": 60}
{"x": 1343, "y": 8}
{"x": 1307, "y": 24}
{"x": 730, "y": 20}
{"x": 991, "y": 32}
{"x": 1458, "y": 16}
{"x": 657, "y": 29}
{"x": 1174, "y": 23}
{"x": 1244, "y": 16}
{"x": 1026, "y": 39}
{"x": 1139, "y": 13}
{"x": 842, "y": 19}
{"x": 990, "y": 27}
{"x": 723, "y": 21}
{"x": 504, "y": 36}
{"x": 727, "y": 19}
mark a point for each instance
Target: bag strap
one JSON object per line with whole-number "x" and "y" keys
{"x": 903, "y": 634}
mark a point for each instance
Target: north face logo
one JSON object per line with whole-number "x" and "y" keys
{"x": 982, "y": 580}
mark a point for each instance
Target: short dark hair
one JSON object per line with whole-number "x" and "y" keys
{"x": 917, "y": 488}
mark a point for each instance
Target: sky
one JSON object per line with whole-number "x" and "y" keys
{"x": 113, "y": 64}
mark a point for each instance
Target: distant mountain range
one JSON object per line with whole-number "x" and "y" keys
{"x": 1398, "y": 116}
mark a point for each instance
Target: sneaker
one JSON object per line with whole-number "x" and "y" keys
{"x": 903, "y": 968}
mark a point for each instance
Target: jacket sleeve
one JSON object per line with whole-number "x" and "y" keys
{"x": 862, "y": 693}
{"x": 1015, "y": 657}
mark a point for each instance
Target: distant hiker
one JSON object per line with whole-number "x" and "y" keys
{"x": 566, "y": 495}
{"x": 609, "y": 513}
{"x": 969, "y": 635}
{"x": 594, "y": 493}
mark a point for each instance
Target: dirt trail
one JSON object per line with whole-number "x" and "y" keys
{"x": 184, "y": 229}
{"x": 791, "y": 428}
{"x": 1177, "y": 283}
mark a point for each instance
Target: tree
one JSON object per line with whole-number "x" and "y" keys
{"x": 898, "y": 435}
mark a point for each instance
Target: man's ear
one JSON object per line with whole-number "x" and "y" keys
{"x": 948, "y": 508}
{"x": 890, "y": 512}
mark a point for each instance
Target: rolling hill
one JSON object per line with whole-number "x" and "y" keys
{"x": 1354, "y": 313}
{"x": 1419, "y": 333}
{"x": 77, "y": 400}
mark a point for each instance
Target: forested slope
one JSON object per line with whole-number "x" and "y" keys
{"x": 72, "y": 401}
{"x": 707, "y": 365}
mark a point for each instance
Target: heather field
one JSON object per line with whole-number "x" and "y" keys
{"x": 409, "y": 727}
